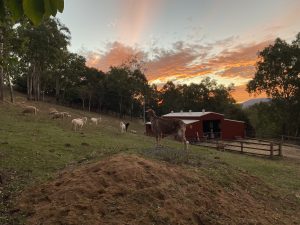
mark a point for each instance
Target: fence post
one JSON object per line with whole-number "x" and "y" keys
{"x": 280, "y": 149}
{"x": 271, "y": 149}
{"x": 242, "y": 147}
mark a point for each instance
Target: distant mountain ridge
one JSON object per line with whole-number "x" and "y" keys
{"x": 251, "y": 102}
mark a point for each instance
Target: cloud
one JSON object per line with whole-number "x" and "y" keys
{"x": 241, "y": 54}
{"x": 188, "y": 63}
{"x": 240, "y": 94}
{"x": 115, "y": 55}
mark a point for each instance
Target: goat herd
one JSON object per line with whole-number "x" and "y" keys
{"x": 77, "y": 123}
{"x": 160, "y": 126}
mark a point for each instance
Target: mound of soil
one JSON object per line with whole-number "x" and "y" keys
{"x": 127, "y": 189}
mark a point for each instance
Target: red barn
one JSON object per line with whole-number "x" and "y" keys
{"x": 208, "y": 125}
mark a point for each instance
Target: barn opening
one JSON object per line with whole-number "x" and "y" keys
{"x": 211, "y": 128}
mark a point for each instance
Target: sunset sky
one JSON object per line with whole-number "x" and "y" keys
{"x": 181, "y": 40}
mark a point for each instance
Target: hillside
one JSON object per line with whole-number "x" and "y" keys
{"x": 254, "y": 101}
{"x": 53, "y": 175}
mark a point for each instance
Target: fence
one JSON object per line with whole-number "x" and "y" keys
{"x": 290, "y": 140}
{"x": 251, "y": 146}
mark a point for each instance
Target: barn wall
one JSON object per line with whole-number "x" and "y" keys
{"x": 232, "y": 129}
{"x": 192, "y": 129}
{"x": 191, "y": 133}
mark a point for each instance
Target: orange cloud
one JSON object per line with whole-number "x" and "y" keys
{"x": 188, "y": 63}
{"x": 116, "y": 55}
{"x": 240, "y": 94}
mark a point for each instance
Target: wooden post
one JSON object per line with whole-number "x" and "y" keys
{"x": 242, "y": 147}
{"x": 271, "y": 149}
{"x": 280, "y": 149}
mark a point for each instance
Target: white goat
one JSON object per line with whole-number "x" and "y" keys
{"x": 56, "y": 115}
{"x": 66, "y": 114}
{"x": 122, "y": 126}
{"x": 96, "y": 120}
{"x": 30, "y": 109}
{"x": 60, "y": 115}
{"x": 52, "y": 111}
{"x": 77, "y": 123}
{"x": 84, "y": 119}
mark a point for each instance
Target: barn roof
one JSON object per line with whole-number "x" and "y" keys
{"x": 188, "y": 114}
{"x": 235, "y": 120}
{"x": 185, "y": 121}
{"x": 190, "y": 121}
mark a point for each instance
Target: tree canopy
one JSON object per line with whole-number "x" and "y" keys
{"x": 278, "y": 75}
{"x": 35, "y": 10}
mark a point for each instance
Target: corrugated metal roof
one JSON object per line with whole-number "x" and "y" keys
{"x": 189, "y": 114}
{"x": 236, "y": 120}
{"x": 190, "y": 121}
{"x": 185, "y": 121}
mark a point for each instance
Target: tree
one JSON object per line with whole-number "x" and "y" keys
{"x": 9, "y": 58}
{"x": 44, "y": 50}
{"x": 69, "y": 75}
{"x": 278, "y": 75}
{"x": 264, "y": 119}
{"x": 171, "y": 98}
{"x": 35, "y": 10}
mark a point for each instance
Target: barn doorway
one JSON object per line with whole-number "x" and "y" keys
{"x": 211, "y": 129}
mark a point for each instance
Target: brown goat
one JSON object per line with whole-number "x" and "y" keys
{"x": 167, "y": 126}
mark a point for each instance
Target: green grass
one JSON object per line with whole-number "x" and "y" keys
{"x": 33, "y": 148}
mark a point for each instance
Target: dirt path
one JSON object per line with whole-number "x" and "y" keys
{"x": 291, "y": 152}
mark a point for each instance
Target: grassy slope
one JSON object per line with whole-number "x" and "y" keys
{"x": 33, "y": 148}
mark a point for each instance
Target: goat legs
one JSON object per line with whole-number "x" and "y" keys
{"x": 181, "y": 135}
{"x": 158, "y": 140}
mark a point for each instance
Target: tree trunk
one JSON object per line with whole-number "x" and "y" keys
{"x": 43, "y": 96}
{"x": 90, "y": 99}
{"x": 1, "y": 84}
{"x": 82, "y": 103}
{"x": 64, "y": 93}
{"x": 11, "y": 91}
{"x": 120, "y": 104}
{"x": 34, "y": 83}
{"x": 57, "y": 89}
{"x": 131, "y": 110}
{"x": 29, "y": 86}
{"x": 1, "y": 69}
{"x": 38, "y": 88}
{"x": 99, "y": 106}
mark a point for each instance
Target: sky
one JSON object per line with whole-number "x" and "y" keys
{"x": 182, "y": 41}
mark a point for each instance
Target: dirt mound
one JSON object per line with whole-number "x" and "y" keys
{"x": 132, "y": 190}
